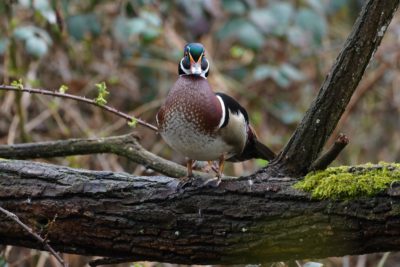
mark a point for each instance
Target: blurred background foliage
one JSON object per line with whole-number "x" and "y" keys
{"x": 270, "y": 55}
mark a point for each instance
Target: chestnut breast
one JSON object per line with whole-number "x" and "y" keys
{"x": 189, "y": 119}
{"x": 192, "y": 100}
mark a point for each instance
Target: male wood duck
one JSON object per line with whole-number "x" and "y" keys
{"x": 203, "y": 125}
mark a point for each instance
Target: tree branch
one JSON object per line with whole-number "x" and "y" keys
{"x": 329, "y": 156}
{"x": 126, "y": 146}
{"x": 324, "y": 113}
{"x": 247, "y": 220}
{"x": 79, "y": 99}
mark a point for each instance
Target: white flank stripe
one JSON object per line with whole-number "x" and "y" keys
{"x": 223, "y": 111}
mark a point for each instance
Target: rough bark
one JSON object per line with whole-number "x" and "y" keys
{"x": 248, "y": 220}
{"x": 324, "y": 113}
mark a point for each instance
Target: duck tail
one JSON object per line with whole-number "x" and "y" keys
{"x": 254, "y": 149}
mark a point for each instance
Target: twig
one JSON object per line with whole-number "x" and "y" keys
{"x": 125, "y": 145}
{"x": 108, "y": 261}
{"x": 80, "y": 99}
{"x": 46, "y": 245}
{"x": 324, "y": 160}
{"x": 383, "y": 259}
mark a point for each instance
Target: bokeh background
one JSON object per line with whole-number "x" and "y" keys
{"x": 272, "y": 56}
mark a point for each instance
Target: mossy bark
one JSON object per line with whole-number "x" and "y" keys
{"x": 248, "y": 220}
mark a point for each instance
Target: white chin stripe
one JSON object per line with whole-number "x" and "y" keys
{"x": 223, "y": 117}
{"x": 188, "y": 71}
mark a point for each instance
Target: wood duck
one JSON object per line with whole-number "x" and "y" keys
{"x": 203, "y": 125}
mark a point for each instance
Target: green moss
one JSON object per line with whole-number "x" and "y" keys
{"x": 349, "y": 182}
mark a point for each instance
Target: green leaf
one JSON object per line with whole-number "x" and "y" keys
{"x": 235, "y": 7}
{"x": 283, "y": 13}
{"x": 102, "y": 94}
{"x": 36, "y": 46}
{"x": 317, "y": 5}
{"x": 152, "y": 18}
{"x": 146, "y": 26}
{"x": 37, "y": 40}
{"x": 264, "y": 19}
{"x": 280, "y": 78}
{"x": 244, "y": 32}
{"x": 18, "y": 84}
{"x": 237, "y": 51}
{"x": 63, "y": 88}
{"x": 133, "y": 122}
{"x": 286, "y": 113}
{"x": 262, "y": 72}
{"x": 24, "y": 32}
{"x": 27, "y": 32}
{"x": 297, "y": 36}
{"x": 291, "y": 72}
{"x": 313, "y": 23}
{"x": 44, "y": 8}
{"x": 82, "y": 25}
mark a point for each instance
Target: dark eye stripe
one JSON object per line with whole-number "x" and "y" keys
{"x": 186, "y": 63}
{"x": 204, "y": 63}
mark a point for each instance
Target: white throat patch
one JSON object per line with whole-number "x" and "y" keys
{"x": 188, "y": 72}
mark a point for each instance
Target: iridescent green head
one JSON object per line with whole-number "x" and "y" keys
{"x": 194, "y": 61}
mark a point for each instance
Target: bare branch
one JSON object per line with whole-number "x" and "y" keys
{"x": 324, "y": 113}
{"x": 45, "y": 244}
{"x": 80, "y": 99}
{"x": 324, "y": 160}
{"x": 126, "y": 146}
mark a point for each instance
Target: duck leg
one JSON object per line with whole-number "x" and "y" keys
{"x": 214, "y": 182}
{"x": 221, "y": 165}
{"x": 189, "y": 166}
{"x": 211, "y": 167}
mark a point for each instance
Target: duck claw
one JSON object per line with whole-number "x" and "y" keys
{"x": 213, "y": 182}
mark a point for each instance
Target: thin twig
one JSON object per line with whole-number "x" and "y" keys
{"x": 323, "y": 161}
{"x": 383, "y": 259}
{"x": 46, "y": 245}
{"x": 80, "y": 99}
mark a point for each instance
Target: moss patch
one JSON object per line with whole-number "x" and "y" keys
{"x": 350, "y": 181}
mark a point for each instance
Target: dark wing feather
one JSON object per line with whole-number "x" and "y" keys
{"x": 232, "y": 105}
